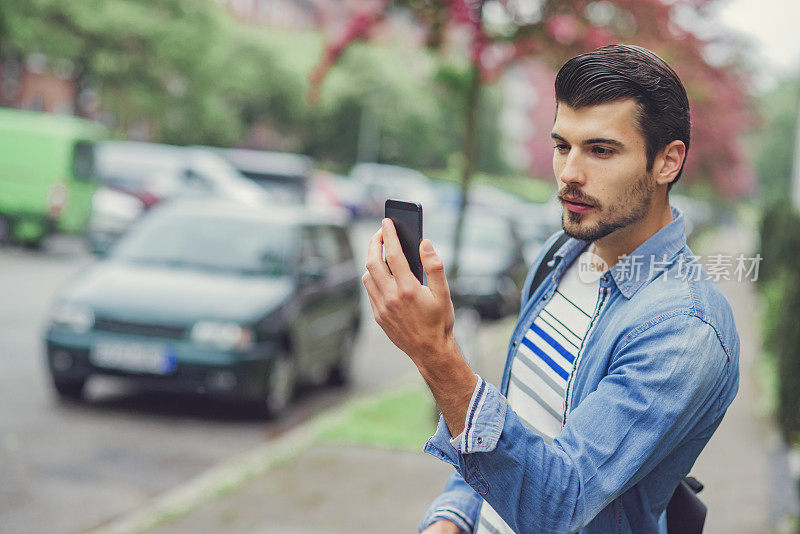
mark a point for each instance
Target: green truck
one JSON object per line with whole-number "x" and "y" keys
{"x": 46, "y": 174}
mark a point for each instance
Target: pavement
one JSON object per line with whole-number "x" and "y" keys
{"x": 298, "y": 484}
{"x": 745, "y": 466}
{"x": 327, "y": 490}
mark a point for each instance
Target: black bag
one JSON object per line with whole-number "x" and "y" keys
{"x": 686, "y": 513}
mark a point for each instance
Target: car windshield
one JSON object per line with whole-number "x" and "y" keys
{"x": 241, "y": 245}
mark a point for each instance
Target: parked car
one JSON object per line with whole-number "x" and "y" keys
{"x": 284, "y": 175}
{"x": 329, "y": 189}
{"x": 213, "y": 297}
{"x": 113, "y": 212}
{"x": 491, "y": 269}
{"x": 167, "y": 171}
{"x": 47, "y": 172}
{"x": 151, "y": 173}
{"x": 533, "y": 222}
{"x": 390, "y": 181}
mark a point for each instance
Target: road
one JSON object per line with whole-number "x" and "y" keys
{"x": 69, "y": 467}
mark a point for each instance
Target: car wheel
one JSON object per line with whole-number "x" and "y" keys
{"x": 71, "y": 390}
{"x": 340, "y": 372}
{"x": 280, "y": 385}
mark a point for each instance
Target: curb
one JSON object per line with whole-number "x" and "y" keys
{"x": 231, "y": 474}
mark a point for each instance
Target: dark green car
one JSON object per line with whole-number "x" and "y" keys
{"x": 209, "y": 297}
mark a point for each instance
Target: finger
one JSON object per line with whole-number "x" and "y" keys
{"x": 434, "y": 268}
{"x": 372, "y": 295}
{"x": 395, "y": 258}
{"x": 375, "y": 265}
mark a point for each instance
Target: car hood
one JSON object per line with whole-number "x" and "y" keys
{"x": 155, "y": 294}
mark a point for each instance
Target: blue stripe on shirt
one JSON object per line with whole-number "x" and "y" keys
{"x": 553, "y": 343}
{"x": 539, "y": 352}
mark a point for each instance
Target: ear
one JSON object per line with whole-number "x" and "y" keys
{"x": 669, "y": 162}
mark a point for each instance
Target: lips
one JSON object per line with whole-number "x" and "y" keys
{"x": 575, "y": 205}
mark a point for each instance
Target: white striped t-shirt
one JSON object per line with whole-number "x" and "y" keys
{"x": 545, "y": 361}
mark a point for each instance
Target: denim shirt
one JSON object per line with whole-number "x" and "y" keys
{"x": 658, "y": 368}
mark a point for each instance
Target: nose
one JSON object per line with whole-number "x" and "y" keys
{"x": 571, "y": 171}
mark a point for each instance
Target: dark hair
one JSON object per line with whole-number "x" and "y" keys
{"x": 617, "y": 72}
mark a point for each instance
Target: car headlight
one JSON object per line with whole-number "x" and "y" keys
{"x": 222, "y": 335}
{"x": 72, "y": 317}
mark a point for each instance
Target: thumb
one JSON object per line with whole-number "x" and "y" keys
{"x": 437, "y": 282}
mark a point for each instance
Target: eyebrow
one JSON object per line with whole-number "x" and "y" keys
{"x": 592, "y": 141}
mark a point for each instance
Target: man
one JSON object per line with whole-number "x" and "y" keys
{"x": 614, "y": 383}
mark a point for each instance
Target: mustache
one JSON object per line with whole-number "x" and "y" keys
{"x": 577, "y": 194}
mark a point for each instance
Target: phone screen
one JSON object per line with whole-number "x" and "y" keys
{"x": 407, "y": 219}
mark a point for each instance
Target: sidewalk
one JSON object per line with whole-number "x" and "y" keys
{"x": 326, "y": 488}
{"x": 737, "y": 463}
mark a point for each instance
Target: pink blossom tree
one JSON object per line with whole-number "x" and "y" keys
{"x": 556, "y": 30}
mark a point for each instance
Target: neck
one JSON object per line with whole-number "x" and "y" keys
{"x": 625, "y": 240}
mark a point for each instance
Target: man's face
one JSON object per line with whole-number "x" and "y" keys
{"x": 600, "y": 164}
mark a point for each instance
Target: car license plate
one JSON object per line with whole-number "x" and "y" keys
{"x": 135, "y": 357}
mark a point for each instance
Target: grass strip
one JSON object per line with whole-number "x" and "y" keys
{"x": 400, "y": 420}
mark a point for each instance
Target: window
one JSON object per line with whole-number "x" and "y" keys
{"x": 83, "y": 160}
{"x": 328, "y": 246}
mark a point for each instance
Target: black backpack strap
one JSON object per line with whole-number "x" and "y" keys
{"x": 545, "y": 269}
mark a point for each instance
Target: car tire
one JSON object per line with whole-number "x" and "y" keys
{"x": 339, "y": 374}
{"x": 280, "y": 386}
{"x": 70, "y": 390}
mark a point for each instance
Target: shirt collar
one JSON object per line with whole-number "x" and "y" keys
{"x": 644, "y": 263}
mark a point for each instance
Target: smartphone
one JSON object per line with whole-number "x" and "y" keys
{"x": 407, "y": 219}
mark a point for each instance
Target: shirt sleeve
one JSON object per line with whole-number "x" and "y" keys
{"x": 482, "y": 426}
{"x": 475, "y": 404}
{"x": 668, "y": 382}
{"x": 458, "y": 503}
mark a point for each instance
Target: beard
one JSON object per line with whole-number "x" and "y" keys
{"x": 631, "y": 207}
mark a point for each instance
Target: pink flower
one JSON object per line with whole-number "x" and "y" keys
{"x": 563, "y": 28}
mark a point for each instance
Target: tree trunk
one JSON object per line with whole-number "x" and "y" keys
{"x": 80, "y": 87}
{"x": 470, "y": 159}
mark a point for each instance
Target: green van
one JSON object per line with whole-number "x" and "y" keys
{"x": 46, "y": 174}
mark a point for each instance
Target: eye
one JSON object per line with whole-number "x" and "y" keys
{"x": 561, "y": 148}
{"x": 602, "y": 151}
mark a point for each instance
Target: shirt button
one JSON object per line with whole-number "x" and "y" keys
{"x": 605, "y": 278}
{"x": 480, "y": 439}
{"x": 544, "y": 297}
